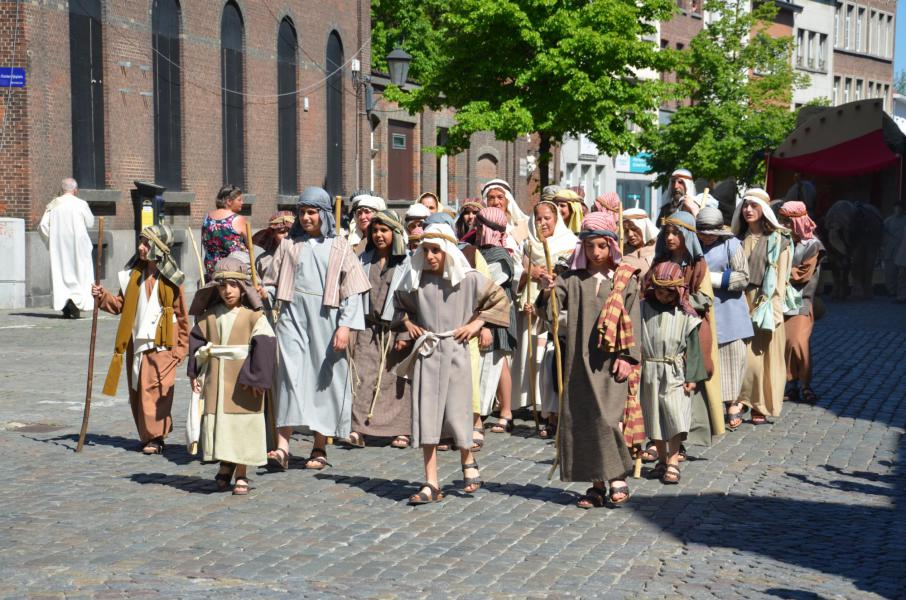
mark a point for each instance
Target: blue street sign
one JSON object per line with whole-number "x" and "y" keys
{"x": 639, "y": 163}
{"x": 12, "y": 77}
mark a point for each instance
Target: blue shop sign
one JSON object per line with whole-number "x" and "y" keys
{"x": 12, "y": 77}
{"x": 639, "y": 163}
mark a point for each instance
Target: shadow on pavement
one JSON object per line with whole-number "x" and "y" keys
{"x": 41, "y": 315}
{"x": 175, "y": 453}
{"x": 788, "y": 594}
{"x": 186, "y": 483}
{"x": 862, "y": 543}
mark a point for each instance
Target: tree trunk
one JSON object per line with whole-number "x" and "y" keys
{"x": 544, "y": 159}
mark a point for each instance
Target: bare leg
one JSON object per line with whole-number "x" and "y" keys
{"x": 283, "y": 435}
{"x": 429, "y": 453}
{"x": 504, "y": 399}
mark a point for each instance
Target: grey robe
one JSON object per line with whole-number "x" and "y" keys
{"x": 442, "y": 381}
{"x": 591, "y": 442}
{"x": 314, "y": 388}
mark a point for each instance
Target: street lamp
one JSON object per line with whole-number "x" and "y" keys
{"x": 398, "y": 61}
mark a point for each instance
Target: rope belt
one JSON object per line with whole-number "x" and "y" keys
{"x": 424, "y": 347}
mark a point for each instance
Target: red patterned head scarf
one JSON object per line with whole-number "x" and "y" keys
{"x": 597, "y": 224}
{"x": 669, "y": 275}
{"x": 801, "y": 224}
{"x": 493, "y": 227}
{"x": 608, "y": 201}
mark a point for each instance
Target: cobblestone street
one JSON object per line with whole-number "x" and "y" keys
{"x": 809, "y": 506}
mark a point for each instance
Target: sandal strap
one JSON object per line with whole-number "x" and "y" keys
{"x": 471, "y": 465}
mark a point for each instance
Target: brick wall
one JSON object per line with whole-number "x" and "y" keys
{"x": 14, "y": 151}
{"x": 43, "y": 120}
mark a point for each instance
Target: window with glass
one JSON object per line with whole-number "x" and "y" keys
{"x": 86, "y": 92}
{"x": 232, "y": 106}
{"x": 822, "y": 52}
{"x": 167, "y": 95}
{"x": 287, "y": 108}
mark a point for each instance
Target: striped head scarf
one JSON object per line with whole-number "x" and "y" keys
{"x": 226, "y": 269}
{"x": 389, "y": 219}
{"x": 160, "y": 241}
{"x": 493, "y": 227}
{"x": 669, "y": 275}
{"x": 467, "y": 234}
{"x": 597, "y": 224}
{"x": 801, "y": 224}
{"x": 609, "y": 201}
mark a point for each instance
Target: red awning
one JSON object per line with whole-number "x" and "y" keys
{"x": 857, "y": 156}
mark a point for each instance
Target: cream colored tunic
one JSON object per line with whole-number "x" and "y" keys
{"x": 765, "y": 377}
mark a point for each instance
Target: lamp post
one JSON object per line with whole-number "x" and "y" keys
{"x": 398, "y": 62}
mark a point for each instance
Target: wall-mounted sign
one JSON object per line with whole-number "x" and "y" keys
{"x": 12, "y": 77}
{"x": 638, "y": 163}
{"x": 587, "y": 148}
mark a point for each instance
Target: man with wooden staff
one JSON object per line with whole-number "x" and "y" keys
{"x": 152, "y": 336}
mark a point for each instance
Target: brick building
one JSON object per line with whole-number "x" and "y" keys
{"x": 863, "y": 51}
{"x": 264, "y": 94}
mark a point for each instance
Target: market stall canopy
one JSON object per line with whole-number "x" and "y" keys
{"x": 841, "y": 141}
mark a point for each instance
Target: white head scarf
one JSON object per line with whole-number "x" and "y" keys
{"x": 514, "y": 214}
{"x": 375, "y": 203}
{"x": 561, "y": 243}
{"x": 641, "y": 220}
{"x": 417, "y": 211}
{"x": 456, "y": 265}
{"x": 686, "y": 176}
{"x": 761, "y": 198}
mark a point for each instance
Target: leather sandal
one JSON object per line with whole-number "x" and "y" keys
{"x": 477, "y": 443}
{"x": 671, "y": 475}
{"x": 618, "y": 488}
{"x": 503, "y": 425}
{"x": 241, "y": 487}
{"x": 593, "y": 498}
{"x": 319, "y": 462}
{"x": 155, "y": 446}
{"x": 223, "y": 478}
{"x": 278, "y": 459}
{"x": 468, "y": 482}
{"x": 433, "y": 495}
{"x": 356, "y": 440}
{"x": 400, "y": 441}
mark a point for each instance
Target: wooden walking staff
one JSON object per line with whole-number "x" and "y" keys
{"x": 94, "y": 335}
{"x": 530, "y": 353}
{"x": 197, "y": 257}
{"x": 555, "y": 331}
{"x": 338, "y": 215}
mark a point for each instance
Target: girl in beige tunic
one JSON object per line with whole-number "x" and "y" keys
{"x": 762, "y": 238}
{"x": 231, "y": 364}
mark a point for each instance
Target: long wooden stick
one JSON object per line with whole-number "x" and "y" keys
{"x": 94, "y": 335}
{"x": 197, "y": 257}
{"x": 338, "y": 212}
{"x": 530, "y": 353}
{"x": 555, "y": 331}
{"x": 248, "y": 236}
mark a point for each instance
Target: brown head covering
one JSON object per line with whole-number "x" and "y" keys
{"x": 226, "y": 269}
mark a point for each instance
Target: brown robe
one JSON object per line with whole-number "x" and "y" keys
{"x": 591, "y": 441}
{"x": 152, "y": 402}
{"x": 798, "y": 328}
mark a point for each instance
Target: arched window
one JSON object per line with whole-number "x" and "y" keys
{"x": 86, "y": 68}
{"x": 486, "y": 168}
{"x": 287, "y": 111}
{"x": 231, "y": 80}
{"x": 334, "y": 63}
{"x": 167, "y": 96}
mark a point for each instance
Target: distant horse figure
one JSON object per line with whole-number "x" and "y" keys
{"x": 853, "y": 233}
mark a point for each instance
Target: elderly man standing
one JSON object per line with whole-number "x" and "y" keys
{"x": 64, "y": 229}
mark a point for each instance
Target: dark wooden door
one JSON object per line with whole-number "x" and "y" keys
{"x": 400, "y": 160}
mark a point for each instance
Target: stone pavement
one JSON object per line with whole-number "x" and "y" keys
{"x": 811, "y": 506}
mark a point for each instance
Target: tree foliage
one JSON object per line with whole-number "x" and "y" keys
{"x": 556, "y": 67}
{"x": 739, "y": 82}
{"x": 899, "y": 82}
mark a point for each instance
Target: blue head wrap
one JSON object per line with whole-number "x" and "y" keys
{"x": 440, "y": 217}
{"x": 315, "y": 197}
{"x": 685, "y": 222}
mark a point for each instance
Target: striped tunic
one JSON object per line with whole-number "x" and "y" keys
{"x": 671, "y": 356}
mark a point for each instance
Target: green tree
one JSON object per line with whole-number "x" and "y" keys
{"x": 735, "y": 84}
{"x": 555, "y": 67}
{"x": 403, "y": 21}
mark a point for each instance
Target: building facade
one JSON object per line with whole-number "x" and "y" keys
{"x": 863, "y": 51}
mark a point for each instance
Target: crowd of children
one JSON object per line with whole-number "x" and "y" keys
{"x": 614, "y": 330}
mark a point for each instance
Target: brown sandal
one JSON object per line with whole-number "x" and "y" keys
{"x": 594, "y": 498}
{"x": 241, "y": 487}
{"x": 223, "y": 478}
{"x": 671, "y": 475}
{"x": 356, "y": 440}
{"x": 468, "y": 482}
{"x": 155, "y": 446}
{"x": 278, "y": 461}
{"x": 400, "y": 441}
{"x": 320, "y": 460}
{"x": 433, "y": 495}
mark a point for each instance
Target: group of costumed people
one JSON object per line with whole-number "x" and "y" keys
{"x": 629, "y": 340}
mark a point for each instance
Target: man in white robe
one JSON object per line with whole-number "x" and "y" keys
{"x": 64, "y": 229}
